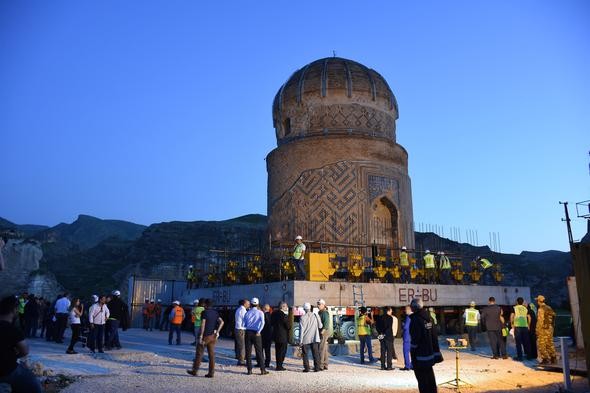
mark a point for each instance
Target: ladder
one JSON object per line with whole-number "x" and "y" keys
{"x": 357, "y": 295}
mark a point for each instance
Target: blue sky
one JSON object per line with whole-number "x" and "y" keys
{"x": 156, "y": 111}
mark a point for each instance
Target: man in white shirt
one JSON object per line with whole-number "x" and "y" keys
{"x": 240, "y": 332}
{"x": 97, "y": 316}
{"x": 62, "y": 310}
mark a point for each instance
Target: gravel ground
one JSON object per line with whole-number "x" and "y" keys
{"x": 148, "y": 364}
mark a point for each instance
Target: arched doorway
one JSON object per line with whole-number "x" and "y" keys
{"x": 384, "y": 226}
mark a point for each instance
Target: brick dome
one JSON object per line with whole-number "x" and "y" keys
{"x": 334, "y": 96}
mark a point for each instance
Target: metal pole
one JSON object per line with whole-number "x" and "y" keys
{"x": 567, "y": 382}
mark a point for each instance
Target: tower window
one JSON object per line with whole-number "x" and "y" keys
{"x": 287, "y": 126}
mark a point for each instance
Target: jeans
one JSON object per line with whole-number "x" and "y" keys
{"x": 472, "y": 334}
{"x": 253, "y": 339}
{"x": 96, "y": 337}
{"x": 174, "y": 328}
{"x": 405, "y": 276}
{"x": 366, "y": 342}
{"x": 497, "y": 343}
{"x": 521, "y": 336}
{"x": 22, "y": 380}
{"x": 113, "y": 336}
{"x": 75, "y": 335}
{"x": 315, "y": 353}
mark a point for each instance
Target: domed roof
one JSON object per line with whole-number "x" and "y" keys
{"x": 334, "y": 96}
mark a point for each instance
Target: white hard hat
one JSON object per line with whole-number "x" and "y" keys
{"x": 427, "y": 251}
{"x": 472, "y": 303}
{"x": 176, "y": 302}
{"x": 116, "y": 293}
{"x": 254, "y": 301}
{"x": 442, "y": 253}
{"x": 159, "y": 300}
{"x": 307, "y": 306}
{"x": 404, "y": 248}
{"x": 94, "y": 298}
{"x": 195, "y": 301}
{"x": 298, "y": 237}
{"x": 190, "y": 265}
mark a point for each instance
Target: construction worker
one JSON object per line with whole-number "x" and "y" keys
{"x": 545, "y": 326}
{"x": 190, "y": 277}
{"x": 485, "y": 270}
{"x": 151, "y": 314}
{"x": 176, "y": 318}
{"x": 471, "y": 317}
{"x": 404, "y": 261}
{"x": 430, "y": 268}
{"x": 299, "y": 256}
{"x": 22, "y": 302}
{"x": 444, "y": 264}
{"x": 145, "y": 314}
{"x": 158, "y": 313}
{"x": 198, "y": 308}
{"x": 521, "y": 321}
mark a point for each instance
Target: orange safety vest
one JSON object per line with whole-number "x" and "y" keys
{"x": 150, "y": 310}
{"x": 178, "y": 313}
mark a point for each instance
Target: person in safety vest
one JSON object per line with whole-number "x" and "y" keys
{"x": 486, "y": 271}
{"x": 363, "y": 328}
{"x": 471, "y": 317}
{"x": 429, "y": 268}
{"x": 521, "y": 322}
{"x": 176, "y": 318}
{"x": 299, "y": 256}
{"x": 545, "y": 327}
{"x": 146, "y": 314}
{"x": 198, "y": 308}
{"x": 404, "y": 262}
{"x": 444, "y": 264}
{"x": 190, "y": 277}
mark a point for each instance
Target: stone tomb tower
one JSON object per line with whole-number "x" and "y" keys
{"x": 337, "y": 174}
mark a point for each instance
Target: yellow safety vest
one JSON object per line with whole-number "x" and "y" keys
{"x": 485, "y": 263}
{"x": 471, "y": 317}
{"x": 298, "y": 251}
{"x": 190, "y": 275}
{"x": 429, "y": 261}
{"x": 444, "y": 262}
{"x": 520, "y": 313}
{"x": 361, "y": 326}
{"x": 403, "y": 259}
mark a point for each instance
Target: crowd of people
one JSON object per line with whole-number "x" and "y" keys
{"x": 258, "y": 327}
{"x": 95, "y": 324}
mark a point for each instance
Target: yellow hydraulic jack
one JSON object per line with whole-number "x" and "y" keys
{"x": 457, "y": 272}
{"x": 475, "y": 274}
{"x": 355, "y": 264}
{"x": 498, "y": 276}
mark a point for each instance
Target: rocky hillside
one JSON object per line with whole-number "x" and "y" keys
{"x": 25, "y": 230}
{"x": 87, "y": 232}
{"x": 92, "y": 255}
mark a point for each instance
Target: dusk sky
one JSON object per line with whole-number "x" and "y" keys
{"x": 152, "y": 111}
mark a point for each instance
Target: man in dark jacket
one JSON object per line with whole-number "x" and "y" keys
{"x": 266, "y": 335}
{"x": 281, "y": 326}
{"x": 493, "y": 320}
{"x": 424, "y": 349}
{"x": 385, "y": 326}
{"x": 118, "y": 318}
{"x": 31, "y": 317}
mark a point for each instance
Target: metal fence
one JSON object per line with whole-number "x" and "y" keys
{"x": 144, "y": 288}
